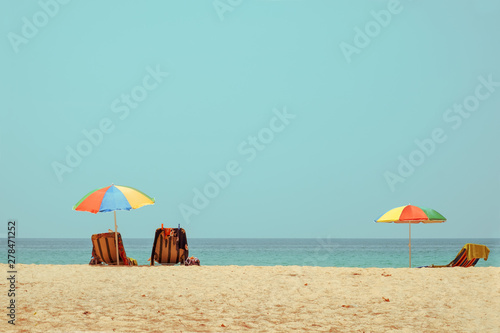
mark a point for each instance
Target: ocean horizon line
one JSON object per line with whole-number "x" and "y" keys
{"x": 358, "y": 238}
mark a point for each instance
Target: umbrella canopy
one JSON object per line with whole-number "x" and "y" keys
{"x": 111, "y": 199}
{"x": 411, "y": 214}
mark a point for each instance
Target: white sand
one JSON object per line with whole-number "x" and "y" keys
{"x": 52, "y": 298}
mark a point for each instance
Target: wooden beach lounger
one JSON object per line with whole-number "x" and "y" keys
{"x": 468, "y": 256}
{"x": 170, "y": 246}
{"x": 104, "y": 250}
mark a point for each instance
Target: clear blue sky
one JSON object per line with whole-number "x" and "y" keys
{"x": 325, "y": 113}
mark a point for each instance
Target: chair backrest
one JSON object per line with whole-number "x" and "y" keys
{"x": 469, "y": 255}
{"x": 462, "y": 261}
{"x": 170, "y": 246}
{"x": 104, "y": 248}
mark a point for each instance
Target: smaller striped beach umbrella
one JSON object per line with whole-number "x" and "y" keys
{"x": 411, "y": 215}
{"x": 111, "y": 199}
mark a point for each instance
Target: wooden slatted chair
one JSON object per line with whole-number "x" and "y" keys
{"x": 104, "y": 250}
{"x": 169, "y": 247}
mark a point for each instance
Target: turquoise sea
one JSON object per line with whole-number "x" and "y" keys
{"x": 267, "y": 252}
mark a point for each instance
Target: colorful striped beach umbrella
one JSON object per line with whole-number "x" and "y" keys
{"x": 111, "y": 199}
{"x": 411, "y": 215}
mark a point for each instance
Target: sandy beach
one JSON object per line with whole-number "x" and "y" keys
{"x": 53, "y": 298}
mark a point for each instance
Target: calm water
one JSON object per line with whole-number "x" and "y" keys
{"x": 267, "y": 252}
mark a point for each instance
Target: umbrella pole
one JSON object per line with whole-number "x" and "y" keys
{"x": 409, "y": 244}
{"x": 116, "y": 242}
